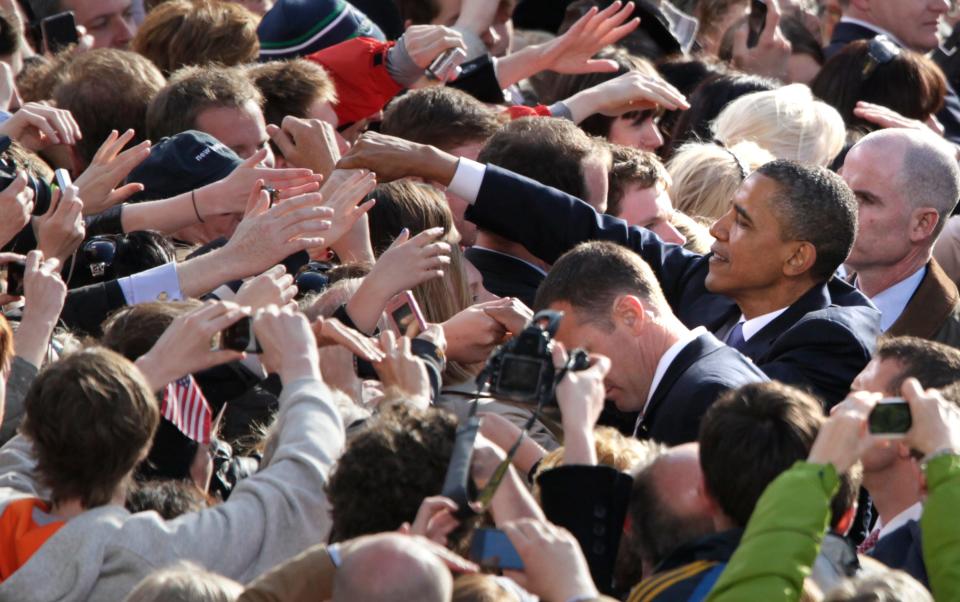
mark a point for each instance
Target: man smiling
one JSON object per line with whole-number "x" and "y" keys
{"x": 767, "y": 289}
{"x": 110, "y": 22}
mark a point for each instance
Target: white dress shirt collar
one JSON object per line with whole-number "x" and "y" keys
{"x": 893, "y": 300}
{"x": 912, "y": 513}
{"x": 665, "y": 360}
{"x": 755, "y": 325}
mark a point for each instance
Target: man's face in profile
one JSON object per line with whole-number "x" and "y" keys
{"x": 110, "y": 22}
{"x": 650, "y": 208}
{"x": 750, "y": 252}
{"x": 913, "y": 22}
{"x": 242, "y": 129}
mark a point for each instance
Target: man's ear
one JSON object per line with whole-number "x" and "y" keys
{"x": 630, "y": 311}
{"x": 923, "y": 223}
{"x": 802, "y": 260}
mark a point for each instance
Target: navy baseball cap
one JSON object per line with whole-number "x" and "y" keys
{"x": 183, "y": 163}
{"x": 296, "y": 28}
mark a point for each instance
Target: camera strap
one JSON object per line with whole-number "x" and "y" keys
{"x": 458, "y": 485}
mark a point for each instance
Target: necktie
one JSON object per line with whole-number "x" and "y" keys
{"x": 870, "y": 542}
{"x": 735, "y": 338}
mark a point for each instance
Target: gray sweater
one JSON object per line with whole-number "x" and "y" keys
{"x": 271, "y": 516}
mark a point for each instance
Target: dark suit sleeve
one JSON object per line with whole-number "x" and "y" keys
{"x": 591, "y": 502}
{"x": 549, "y": 223}
{"x": 86, "y": 308}
{"x": 800, "y": 354}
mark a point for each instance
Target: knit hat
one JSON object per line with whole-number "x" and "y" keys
{"x": 295, "y": 28}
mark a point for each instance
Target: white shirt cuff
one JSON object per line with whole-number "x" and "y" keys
{"x": 467, "y": 180}
{"x": 156, "y": 284}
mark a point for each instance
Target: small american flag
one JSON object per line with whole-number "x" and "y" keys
{"x": 185, "y": 406}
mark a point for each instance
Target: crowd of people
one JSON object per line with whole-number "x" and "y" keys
{"x": 479, "y": 300}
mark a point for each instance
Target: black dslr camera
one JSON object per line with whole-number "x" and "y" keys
{"x": 522, "y": 370}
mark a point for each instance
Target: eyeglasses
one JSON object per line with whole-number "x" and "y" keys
{"x": 880, "y": 51}
{"x": 99, "y": 253}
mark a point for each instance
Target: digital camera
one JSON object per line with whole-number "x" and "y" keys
{"x": 522, "y": 369}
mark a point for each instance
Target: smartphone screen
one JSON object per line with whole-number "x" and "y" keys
{"x": 13, "y": 276}
{"x": 405, "y": 315}
{"x": 492, "y": 548}
{"x": 890, "y": 417}
{"x": 239, "y": 336}
{"x": 757, "y": 20}
{"x": 59, "y": 31}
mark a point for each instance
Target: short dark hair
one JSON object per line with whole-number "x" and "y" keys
{"x": 108, "y": 89}
{"x": 290, "y": 87}
{"x": 934, "y": 364}
{"x": 816, "y": 205}
{"x": 90, "y": 417}
{"x": 133, "y": 330}
{"x": 440, "y": 116}
{"x": 192, "y": 90}
{"x": 549, "y": 150}
{"x": 910, "y": 84}
{"x": 398, "y": 459}
{"x": 592, "y": 275}
{"x": 632, "y": 166}
{"x": 749, "y": 436}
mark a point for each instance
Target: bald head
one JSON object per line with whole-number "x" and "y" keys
{"x": 389, "y": 566}
{"x": 925, "y": 166}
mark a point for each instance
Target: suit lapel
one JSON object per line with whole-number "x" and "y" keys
{"x": 930, "y": 305}
{"x": 700, "y": 347}
{"x": 498, "y": 263}
{"x": 816, "y": 298}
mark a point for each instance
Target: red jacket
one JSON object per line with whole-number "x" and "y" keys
{"x": 359, "y": 71}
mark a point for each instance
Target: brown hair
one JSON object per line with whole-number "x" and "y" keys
{"x": 911, "y": 84}
{"x": 632, "y": 166}
{"x": 934, "y": 364}
{"x": 132, "y": 330}
{"x": 290, "y": 87}
{"x": 549, "y": 150}
{"x": 611, "y": 271}
{"x": 440, "y": 116}
{"x": 749, "y": 436}
{"x": 180, "y": 33}
{"x": 6, "y": 345}
{"x": 91, "y": 417}
{"x": 406, "y": 204}
{"x": 108, "y": 89}
{"x": 194, "y": 89}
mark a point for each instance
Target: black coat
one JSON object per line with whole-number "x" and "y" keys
{"x": 820, "y": 343}
{"x": 506, "y": 276}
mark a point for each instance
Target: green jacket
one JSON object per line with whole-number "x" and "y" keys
{"x": 941, "y": 531}
{"x": 782, "y": 538}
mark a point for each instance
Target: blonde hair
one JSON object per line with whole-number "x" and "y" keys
{"x": 626, "y": 454}
{"x": 706, "y": 175}
{"x": 789, "y": 122}
{"x": 185, "y": 582}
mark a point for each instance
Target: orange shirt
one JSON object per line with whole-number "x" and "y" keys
{"x": 21, "y": 536}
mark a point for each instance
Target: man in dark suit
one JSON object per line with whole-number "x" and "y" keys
{"x": 908, "y": 184}
{"x": 766, "y": 288}
{"x": 670, "y": 374}
{"x": 910, "y": 24}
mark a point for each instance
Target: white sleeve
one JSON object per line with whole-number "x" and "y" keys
{"x": 467, "y": 180}
{"x": 156, "y": 284}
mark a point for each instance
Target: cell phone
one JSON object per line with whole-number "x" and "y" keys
{"x": 62, "y": 178}
{"x": 13, "y": 277}
{"x": 404, "y": 315}
{"x": 446, "y": 67}
{"x": 491, "y": 548}
{"x": 239, "y": 337}
{"x": 890, "y": 418}
{"x": 59, "y": 31}
{"x": 756, "y": 22}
